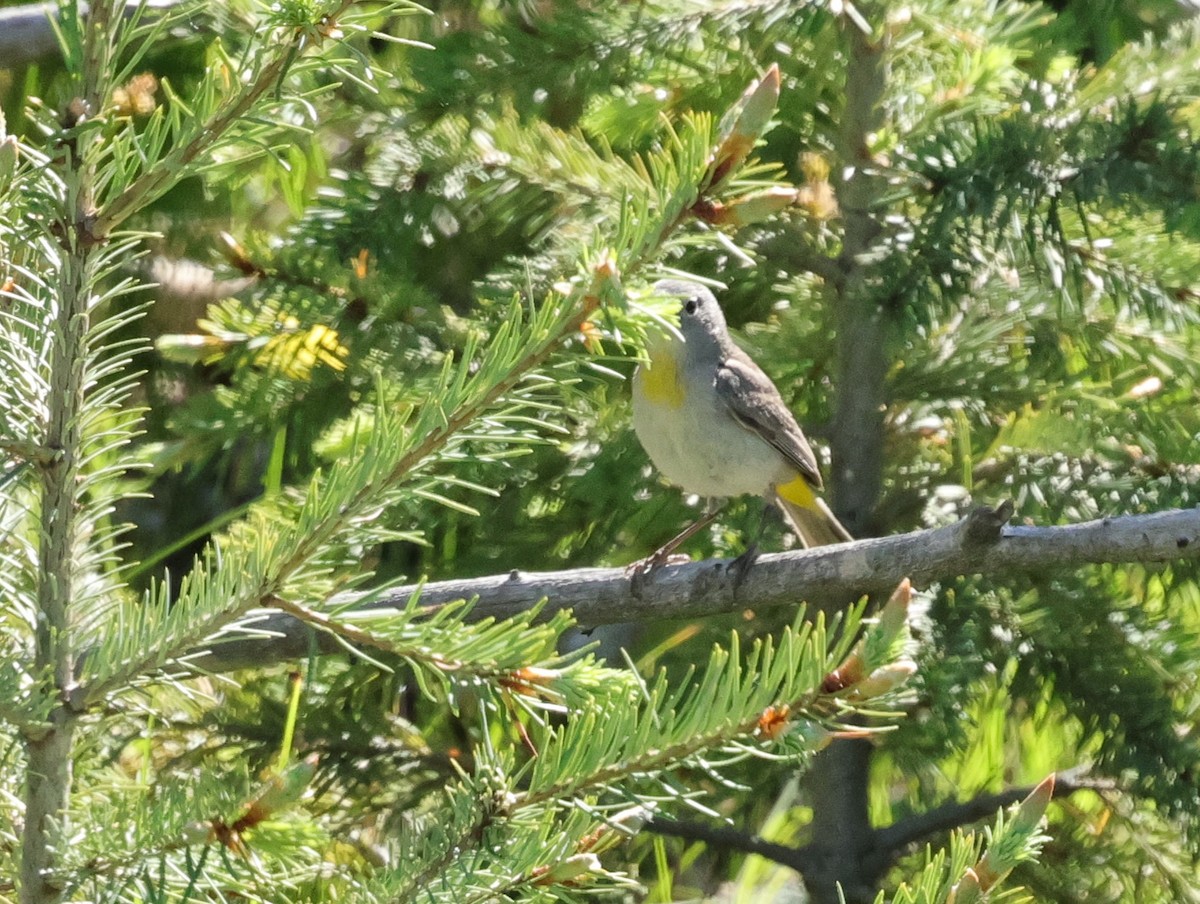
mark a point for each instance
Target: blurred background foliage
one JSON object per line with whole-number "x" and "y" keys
{"x": 1040, "y": 264}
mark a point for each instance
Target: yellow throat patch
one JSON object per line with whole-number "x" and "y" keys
{"x": 660, "y": 376}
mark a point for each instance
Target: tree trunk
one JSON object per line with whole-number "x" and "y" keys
{"x": 837, "y": 781}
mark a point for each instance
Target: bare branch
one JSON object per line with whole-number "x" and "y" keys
{"x": 891, "y": 840}
{"x": 827, "y": 578}
{"x": 27, "y": 35}
{"x": 731, "y": 839}
{"x": 883, "y": 845}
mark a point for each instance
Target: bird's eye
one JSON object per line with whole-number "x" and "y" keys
{"x": 691, "y": 306}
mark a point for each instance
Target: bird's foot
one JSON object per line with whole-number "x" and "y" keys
{"x": 740, "y": 567}
{"x": 639, "y": 572}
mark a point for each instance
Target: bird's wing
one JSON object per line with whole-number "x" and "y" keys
{"x": 756, "y": 404}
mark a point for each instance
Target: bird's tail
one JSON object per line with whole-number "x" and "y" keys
{"x": 809, "y": 516}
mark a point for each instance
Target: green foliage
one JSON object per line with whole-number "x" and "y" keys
{"x": 195, "y": 821}
{"x": 431, "y": 234}
{"x": 966, "y": 871}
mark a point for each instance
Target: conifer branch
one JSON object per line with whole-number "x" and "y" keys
{"x": 378, "y": 474}
{"x": 152, "y": 183}
{"x": 887, "y": 843}
{"x": 65, "y": 442}
{"x": 891, "y": 840}
{"x": 781, "y": 689}
{"x": 467, "y": 395}
{"x": 659, "y": 759}
{"x": 466, "y": 838}
{"x": 828, "y": 578}
{"x": 48, "y": 752}
{"x": 522, "y": 676}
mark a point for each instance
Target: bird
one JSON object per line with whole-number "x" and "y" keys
{"x": 714, "y": 424}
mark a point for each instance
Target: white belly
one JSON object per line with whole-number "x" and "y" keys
{"x": 699, "y": 446}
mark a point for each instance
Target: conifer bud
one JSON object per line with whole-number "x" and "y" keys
{"x": 619, "y": 827}
{"x": 1008, "y": 847}
{"x": 9, "y": 153}
{"x": 742, "y": 126}
{"x": 883, "y": 680}
{"x": 568, "y": 870}
{"x": 751, "y": 208}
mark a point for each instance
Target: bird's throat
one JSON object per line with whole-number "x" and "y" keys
{"x": 660, "y": 377}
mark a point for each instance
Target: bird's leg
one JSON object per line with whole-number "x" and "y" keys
{"x": 741, "y": 566}
{"x": 664, "y": 555}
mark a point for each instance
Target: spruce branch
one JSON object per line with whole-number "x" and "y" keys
{"x": 887, "y": 843}
{"x": 826, "y": 577}
{"x": 465, "y": 836}
{"x": 331, "y": 505}
{"x": 485, "y": 651}
{"x": 475, "y": 855}
{"x": 774, "y": 701}
{"x": 893, "y": 839}
{"x": 466, "y": 391}
{"x": 733, "y": 705}
{"x": 49, "y": 751}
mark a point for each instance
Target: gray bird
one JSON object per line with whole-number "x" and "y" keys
{"x": 715, "y": 425}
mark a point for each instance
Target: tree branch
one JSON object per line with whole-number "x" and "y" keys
{"x": 731, "y": 839}
{"x": 891, "y": 840}
{"x": 827, "y": 577}
{"x": 27, "y": 35}
{"x": 885, "y": 844}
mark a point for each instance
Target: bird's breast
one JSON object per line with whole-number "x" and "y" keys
{"x": 696, "y": 444}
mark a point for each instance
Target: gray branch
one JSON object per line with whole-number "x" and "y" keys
{"x": 827, "y": 578}
{"x": 27, "y": 35}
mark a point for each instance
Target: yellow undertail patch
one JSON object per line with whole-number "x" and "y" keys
{"x": 798, "y": 492}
